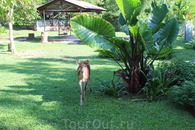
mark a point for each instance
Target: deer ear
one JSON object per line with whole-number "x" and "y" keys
{"x": 78, "y": 61}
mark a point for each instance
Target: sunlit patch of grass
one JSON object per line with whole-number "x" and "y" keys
{"x": 180, "y": 52}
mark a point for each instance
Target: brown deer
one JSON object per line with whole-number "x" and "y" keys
{"x": 121, "y": 73}
{"x": 83, "y": 77}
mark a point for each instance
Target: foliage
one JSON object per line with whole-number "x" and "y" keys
{"x": 43, "y": 1}
{"x": 23, "y": 10}
{"x": 111, "y": 14}
{"x": 149, "y": 39}
{"x": 183, "y": 10}
{"x": 3, "y": 29}
{"x": 190, "y": 45}
{"x": 113, "y": 19}
{"x": 113, "y": 88}
{"x": 180, "y": 9}
{"x": 184, "y": 94}
{"x": 183, "y": 70}
{"x": 158, "y": 83}
{"x": 16, "y": 11}
{"x": 111, "y": 6}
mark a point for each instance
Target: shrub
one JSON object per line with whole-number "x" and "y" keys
{"x": 184, "y": 94}
{"x": 113, "y": 88}
{"x": 190, "y": 45}
{"x": 183, "y": 70}
{"x": 157, "y": 84}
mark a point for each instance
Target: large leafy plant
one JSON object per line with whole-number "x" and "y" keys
{"x": 149, "y": 38}
{"x": 158, "y": 82}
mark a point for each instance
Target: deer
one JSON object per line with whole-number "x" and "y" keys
{"x": 121, "y": 73}
{"x": 83, "y": 71}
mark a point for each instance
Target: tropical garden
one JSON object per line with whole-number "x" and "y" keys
{"x": 144, "y": 42}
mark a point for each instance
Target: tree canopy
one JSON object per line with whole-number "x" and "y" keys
{"x": 23, "y": 10}
{"x": 16, "y": 11}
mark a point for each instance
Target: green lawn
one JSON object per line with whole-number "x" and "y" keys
{"x": 181, "y": 53}
{"x": 39, "y": 91}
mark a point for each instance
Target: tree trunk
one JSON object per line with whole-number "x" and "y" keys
{"x": 11, "y": 45}
{"x": 134, "y": 85}
{"x": 9, "y": 15}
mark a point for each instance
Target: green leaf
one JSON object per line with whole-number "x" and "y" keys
{"x": 126, "y": 30}
{"x": 157, "y": 16}
{"x": 127, "y": 8}
{"x": 137, "y": 12}
{"x": 122, "y": 21}
{"x": 168, "y": 33}
{"x": 93, "y": 31}
{"x": 146, "y": 34}
{"x": 165, "y": 51}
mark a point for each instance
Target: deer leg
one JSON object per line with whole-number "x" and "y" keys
{"x": 81, "y": 102}
{"x": 85, "y": 90}
{"x": 90, "y": 89}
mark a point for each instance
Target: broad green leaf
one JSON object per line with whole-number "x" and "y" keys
{"x": 127, "y": 8}
{"x": 109, "y": 52}
{"x": 93, "y": 31}
{"x": 146, "y": 34}
{"x": 165, "y": 51}
{"x": 168, "y": 33}
{"x": 126, "y": 30}
{"x": 157, "y": 16}
{"x": 137, "y": 12}
{"x": 134, "y": 30}
{"x": 122, "y": 21}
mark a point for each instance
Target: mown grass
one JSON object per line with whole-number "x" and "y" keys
{"x": 180, "y": 52}
{"x": 39, "y": 91}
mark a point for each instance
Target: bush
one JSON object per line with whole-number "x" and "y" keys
{"x": 113, "y": 88}
{"x": 190, "y": 45}
{"x": 183, "y": 70}
{"x": 157, "y": 84}
{"x": 184, "y": 94}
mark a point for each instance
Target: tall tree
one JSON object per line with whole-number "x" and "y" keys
{"x": 15, "y": 11}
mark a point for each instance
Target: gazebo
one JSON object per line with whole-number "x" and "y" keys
{"x": 65, "y": 7}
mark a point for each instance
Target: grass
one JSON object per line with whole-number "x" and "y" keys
{"x": 39, "y": 91}
{"x": 180, "y": 52}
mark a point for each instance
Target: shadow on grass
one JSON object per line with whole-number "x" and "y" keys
{"x": 55, "y": 81}
{"x": 2, "y": 46}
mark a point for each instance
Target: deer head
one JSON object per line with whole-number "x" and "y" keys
{"x": 83, "y": 70}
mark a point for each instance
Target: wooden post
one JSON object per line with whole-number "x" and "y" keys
{"x": 44, "y": 20}
{"x": 44, "y": 37}
{"x": 58, "y": 23}
{"x": 31, "y": 36}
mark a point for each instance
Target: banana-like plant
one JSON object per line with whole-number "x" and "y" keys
{"x": 149, "y": 38}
